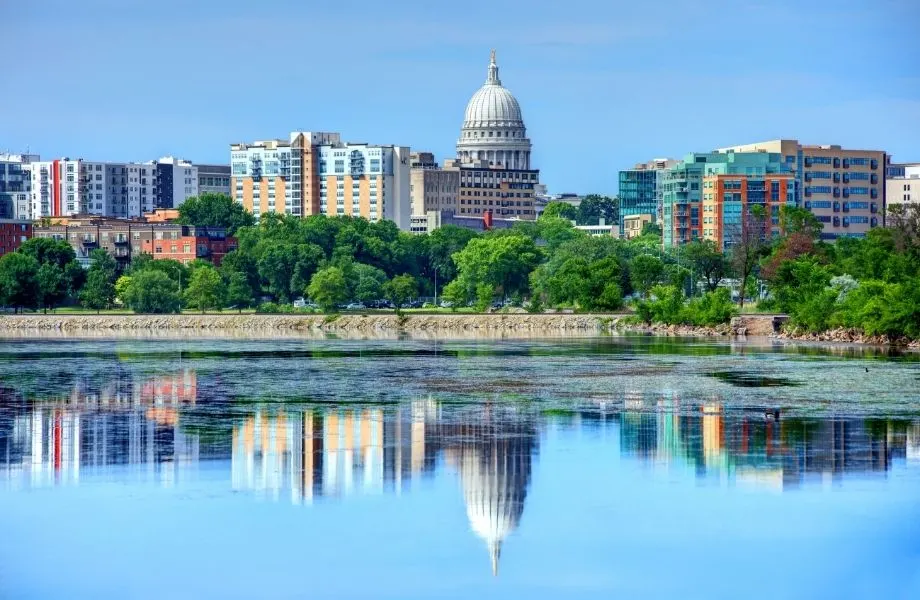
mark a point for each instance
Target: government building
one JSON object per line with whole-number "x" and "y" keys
{"x": 491, "y": 174}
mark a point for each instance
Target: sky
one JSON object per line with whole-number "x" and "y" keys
{"x": 603, "y": 84}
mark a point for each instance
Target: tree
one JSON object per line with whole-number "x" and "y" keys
{"x": 561, "y": 210}
{"x": 367, "y": 282}
{"x": 645, "y": 271}
{"x": 500, "y": 261}
{"x": 215, "y": 210}
{"x": 239, "y": 292}
{"x": 651, "y": 229}
{"x": 328, "y": 288}
{"x": 749, "y": 245}
{"x": 799, "y": 220}
{"x": 594, "y": 207}
{"x": 52, "y": 287}
{"x": 205, "y": 289}
{"x": 19, "y": 280}
{"x": 48, "y": 250}
{"x": 123, "y": 288}
{"x": 707, "y": 262}
{"x": 400, "y": 290}
{"x": 288, "y": 267}
{"x": 152, "y": 291}
{"x": 443, "y": 243}
{"x": 99, "y": 291}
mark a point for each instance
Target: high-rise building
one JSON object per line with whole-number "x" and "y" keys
{"x": 728, "y": 200}
{"x": 845, "y": 189}
{"x": 905, "y": 187}
{"x": 431, "y": 188}
{"x": 316, "y": 173}
{"x": 682, "y": 192}
{"x": 493, "y": 154}
{"x": 176, "y": 181}
{"x": 638, "y": 190}
{"x": 68, "y": 187}
{"x": 15, "y": 185}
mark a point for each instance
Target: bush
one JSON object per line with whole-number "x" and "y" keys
{"x": 713, "y": 308}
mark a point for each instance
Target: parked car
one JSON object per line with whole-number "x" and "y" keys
{"x": 446, "y": 304}
{"x": 355, "y": 306}
{"x": 300, "y": 303}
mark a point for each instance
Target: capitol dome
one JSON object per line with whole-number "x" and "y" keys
{"x": 493, "y": 128}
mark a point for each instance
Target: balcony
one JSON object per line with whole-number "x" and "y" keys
{"x": 121, "y": 241}
{"x": 89, "y": 243}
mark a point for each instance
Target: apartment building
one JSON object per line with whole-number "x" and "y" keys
{"x": 431, "y": 188}
{"x": 15, "y": 184}
{"x": 638, "y": 190}
{"x": 729, "y": 198}
{"x": 125, "y": 239}
{"x": 66, "y": 187}
{"x": 316, "y": 173}
{"x": 904, "y": 186}
{"x": 683, "y": 192}
{"x": 13, "y": 233}
{"x": 844, "y": 188}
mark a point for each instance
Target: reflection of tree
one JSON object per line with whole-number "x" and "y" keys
{"x": 492, "y": 451}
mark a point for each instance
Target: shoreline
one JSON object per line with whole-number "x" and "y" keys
{"x": 364, "y": 326}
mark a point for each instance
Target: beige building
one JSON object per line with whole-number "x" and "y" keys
{"x": 904, "y": 189}
{"x": 431, "y": 188}
{"x": 844, "y": 188}
{"x": 316, "y": 173}
{"x": 633, "y": 224}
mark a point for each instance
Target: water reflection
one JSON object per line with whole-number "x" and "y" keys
{"x": 163, "y": 427}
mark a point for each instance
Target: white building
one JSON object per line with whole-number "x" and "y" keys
{"x": 904, "y": 189}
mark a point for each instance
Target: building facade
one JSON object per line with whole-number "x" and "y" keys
{"x": 15, "y": 185}
{"x": 493, "y": 154}
{"x": 13, "y": 233}
{"x": 431, "y": 188}
{"x": 638, "y": 190}
{"x": 903, "y": 188}
{"x": 176, "y": 181}
{"x": 66, "y": 187}
{"x": 844, "y": 188}
{"x": 126, "y": 239}
{"x": 632, "y": 225}
{"x": 316, "y": 173}
{"x": 214, "y": 179}
{"x": 683, "y": 193}
{"x": 729, "y": 199}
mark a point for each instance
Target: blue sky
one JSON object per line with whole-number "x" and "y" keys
{"x": 603, "y": 84}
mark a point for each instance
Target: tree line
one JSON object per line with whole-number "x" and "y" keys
{"x": 870, "y": 284}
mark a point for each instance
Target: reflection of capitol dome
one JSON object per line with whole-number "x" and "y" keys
{"x": 493, "y": 128}
{"x": 494, "y": 461}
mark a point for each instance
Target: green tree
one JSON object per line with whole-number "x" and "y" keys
{"x": 239, "y": 292}
{"x": 19, "y": 281}
{"x": 645, "y": 271}
{"x": 52, "y": 286}
{"x": 708, "y": 263}
{"x": 99, "y": 291}
{"x": 594, "y": 207}
{"x": 443, "y": 243}
{"x": 561, "y": 210}
{"x": 215, "y": 210}
{"x": 799, "y": 220}
{"x": 367, "y": 282}
{"x": 48, "y": 250}
{"x": 400, "y": 290}
{"x": 205, "y": 289}
{"x": 152, "y": 291}
{"x": 328, "y": 288}
{"x": 503, "y": 262}
{"x": 288, "y": 268}
{"x": 123, "y": 289}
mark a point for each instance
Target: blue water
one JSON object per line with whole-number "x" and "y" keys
{"x": 607, "y": 467}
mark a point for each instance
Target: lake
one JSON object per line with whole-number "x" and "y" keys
{"x": 634, "y": 467}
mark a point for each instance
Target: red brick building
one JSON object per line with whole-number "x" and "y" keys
{"x": 13, "y": 233}
{"x": 125, "y": 239}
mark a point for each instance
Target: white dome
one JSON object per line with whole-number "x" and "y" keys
{"x": 493, "y": 106}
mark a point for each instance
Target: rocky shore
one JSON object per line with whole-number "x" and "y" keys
{"x": 849, "y": 336}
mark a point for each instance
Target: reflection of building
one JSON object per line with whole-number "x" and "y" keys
{"x": 331, "y": 453}
{"x": 119, "y": 423}
{"x": 493, "y": 454}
